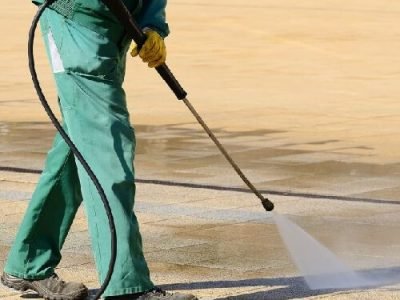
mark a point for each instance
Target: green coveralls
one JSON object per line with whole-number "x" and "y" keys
{"x": 87, "y": 49}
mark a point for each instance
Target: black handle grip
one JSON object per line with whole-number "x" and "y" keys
{"x": 120, "y": 11}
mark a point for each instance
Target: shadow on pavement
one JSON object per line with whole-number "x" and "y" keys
{"x": 289, "y": 287}
{"x": 31, "y": 296}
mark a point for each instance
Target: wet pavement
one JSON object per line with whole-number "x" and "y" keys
{"x": 203, "y": 232}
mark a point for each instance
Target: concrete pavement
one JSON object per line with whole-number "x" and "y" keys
{"x": 308, "y": 106}
{"x": 203, "y": 236}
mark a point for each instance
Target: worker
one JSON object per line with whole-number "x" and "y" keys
{"x": 87, "y": 49}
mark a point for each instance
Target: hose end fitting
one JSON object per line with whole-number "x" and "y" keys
{"x": 268, "y": 205}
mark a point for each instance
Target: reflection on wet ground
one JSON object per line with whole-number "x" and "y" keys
{"x": 181, "y": 153}
{"x": 217, "y": 242}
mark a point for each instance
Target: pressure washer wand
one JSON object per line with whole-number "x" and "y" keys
{"x": 124, "y": 16}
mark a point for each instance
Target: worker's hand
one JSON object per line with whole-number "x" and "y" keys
{"x": 153, "y": 51}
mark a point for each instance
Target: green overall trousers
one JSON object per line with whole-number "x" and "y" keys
{"x": 87, "y": 52}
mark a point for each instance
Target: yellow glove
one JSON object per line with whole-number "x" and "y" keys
{"x": 153, "y": 51}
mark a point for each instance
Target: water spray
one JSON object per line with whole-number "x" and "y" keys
{"x": 134, "y": 31}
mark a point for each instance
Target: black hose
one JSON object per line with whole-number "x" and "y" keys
{"x": 72, "y": 146}
{"x": 130, "y": 25}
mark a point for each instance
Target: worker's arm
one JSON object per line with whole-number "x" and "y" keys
{"x": 152, "y": 15}
{"x": 152, "y": 19}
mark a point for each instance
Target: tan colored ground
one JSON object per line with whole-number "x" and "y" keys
{"x": 304, "y": 94}
{"x": 318, "y": 70}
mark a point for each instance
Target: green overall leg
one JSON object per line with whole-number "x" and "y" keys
{"x": 89, "y": 70}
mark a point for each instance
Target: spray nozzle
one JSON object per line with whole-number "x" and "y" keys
{"x": 268, "y": 205}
